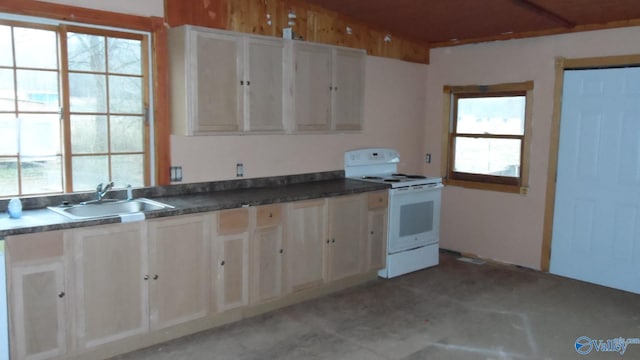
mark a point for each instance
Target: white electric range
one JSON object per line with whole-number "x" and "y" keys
{"x": 413, "y": 227}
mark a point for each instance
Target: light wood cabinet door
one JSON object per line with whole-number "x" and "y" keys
{"x": 263, "y": 84}
{"x": 216, "y": 82}
{"x": 111, "y": 282}
{"x": 37, "y": 295}
{"x": 377, "y": 239}
{"x": 347, "y": 216}
{"x": 266, "y": 264}
{"x": 179, "y": 269}
{"x": 232, "y": 271}
{"x": 312, "y": 87}
{"x": 348, "y": 89}
{"x": 38, "y": 312}
{"x": 306, "y": 235}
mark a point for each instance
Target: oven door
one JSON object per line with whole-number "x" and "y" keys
{"x": 414, "y": 217}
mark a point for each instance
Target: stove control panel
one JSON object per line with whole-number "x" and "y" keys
{"x": 371, "y": 156}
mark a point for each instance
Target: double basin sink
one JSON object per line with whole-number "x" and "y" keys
{"x": 105, "y": 208}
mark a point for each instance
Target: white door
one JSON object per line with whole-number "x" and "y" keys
{"x": 596, "y": 227}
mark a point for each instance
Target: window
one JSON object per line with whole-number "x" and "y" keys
{"x": 487, "y": 141}
{"x": 73, "y": 105}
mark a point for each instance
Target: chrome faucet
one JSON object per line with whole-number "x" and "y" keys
{"x": 101, "y": 192}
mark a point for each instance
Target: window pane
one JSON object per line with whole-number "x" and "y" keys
{"x": 127, "y": 134}
{"x": 89, "y": 171}
{"x": 125, "y": 94}
{"x": 36, "y": 48}
{"x": 6, "y": 55}
{"x": 38, "y": 90}
{"x": 499, "y": 157}
{"x": 124, "y": 56}
{"x": 41, "y": 174}
{"x": 491, "y": 115}
{"x": 88, "y": 93}
{"x": 88, "y": 134}
{"x": 86, "y": 52}
{"x": 8, "y": 134}
{"x": 8, "y": 177}
{"x": 128, "y": 169}
{"x": 39, "y": 135}
{"x": 7, "y": 93}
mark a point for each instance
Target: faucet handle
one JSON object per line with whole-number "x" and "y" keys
{"x": 99, "y": 188}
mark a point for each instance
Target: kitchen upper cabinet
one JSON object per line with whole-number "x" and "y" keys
{"x": 377, "y": 230}
{"x": 328, "y": 87}
{"x": 263, "y": 84}
{"x": 111, "y": 282}
{"x": 231, "y": 254}
{"x": 306, "y": 234}
{"x": 179, "y": 251}
{"x": 266, "y": 264}
{"x": 312, "y": 87}
{"x": 38, "y": 304}
{"x": 225, "y": 82}
{"x": 348, "y": 89}
{"x": 346, "y": 245}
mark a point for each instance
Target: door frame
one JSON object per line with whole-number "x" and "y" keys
{"x": 562, "y": 64}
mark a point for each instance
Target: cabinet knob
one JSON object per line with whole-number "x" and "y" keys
{"x": 270, "y": 215}
{"x": 248, "y": 83}
{"x": 61, "y": 294}
{"x": 330, "y": 88}
{"x": 371, "y": 233}
{"x": 146, "y": 277}
{"x": 333, "y": 240}
{"x": 241, "y": 82}
{"x": 328, "y": 241}
{"x": 281, "y": 251}
{"x": 155, "y": 277}
{"x": 222, "y": 263}
{"x": 335, "y": 88}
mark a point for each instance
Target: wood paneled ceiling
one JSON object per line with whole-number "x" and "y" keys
{"x": 451, "y": 22}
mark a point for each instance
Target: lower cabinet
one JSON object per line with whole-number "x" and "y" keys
{"x": 346, "y": 241}
{"x": 73, "y": 292}
{"x": 38, "y": 306}
{"x": 231, "y": 255}
{"x": 179, "y": 261}
{"x": 376, "y": 250}
{"x": 267, "y": 255}
{"x": 111, "y": 283}
{"x": 306, "y": 236}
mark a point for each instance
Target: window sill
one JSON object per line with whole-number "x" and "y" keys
{"x": 514, "y": 189}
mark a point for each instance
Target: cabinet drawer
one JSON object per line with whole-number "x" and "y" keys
{"x": 378, "y": 200}
{"x": 233, "y": 221}
{"x": 268, "y": 215}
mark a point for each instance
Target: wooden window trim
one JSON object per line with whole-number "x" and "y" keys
{"x": 480, "y": 181}
{"x": 160, "y": 55}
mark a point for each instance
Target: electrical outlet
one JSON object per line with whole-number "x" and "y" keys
{"x": 176, "y": 173}
{"x": 239, "y": 170}
{"x": 427, "y": 158}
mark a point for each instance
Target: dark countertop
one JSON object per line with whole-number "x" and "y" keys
{"x": 42, "y": 219}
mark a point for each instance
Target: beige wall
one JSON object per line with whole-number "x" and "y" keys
{"x": 394, "y": 117}
{"x": 133, "y": 7}
{"x": 507, "y": 227}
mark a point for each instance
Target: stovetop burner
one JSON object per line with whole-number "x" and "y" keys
{"x": 372, "y": 178}
{"x": 399, "y": 175}
{"x": 392, "y": 180}
{"x": 416, "y": 177}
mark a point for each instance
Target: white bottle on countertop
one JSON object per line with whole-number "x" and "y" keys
{"x": 15, "y": 208}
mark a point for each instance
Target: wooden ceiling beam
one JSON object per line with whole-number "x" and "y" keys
{"x": 527, "y": 4}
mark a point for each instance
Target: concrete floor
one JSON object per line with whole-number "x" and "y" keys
{"x": 453, "y": 311}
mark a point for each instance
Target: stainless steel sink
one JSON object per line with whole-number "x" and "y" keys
{"x": 108, "y": 208}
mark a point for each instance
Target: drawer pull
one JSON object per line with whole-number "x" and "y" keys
{"x": 61, "y": 294}
{"x": 222, "y": 263}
